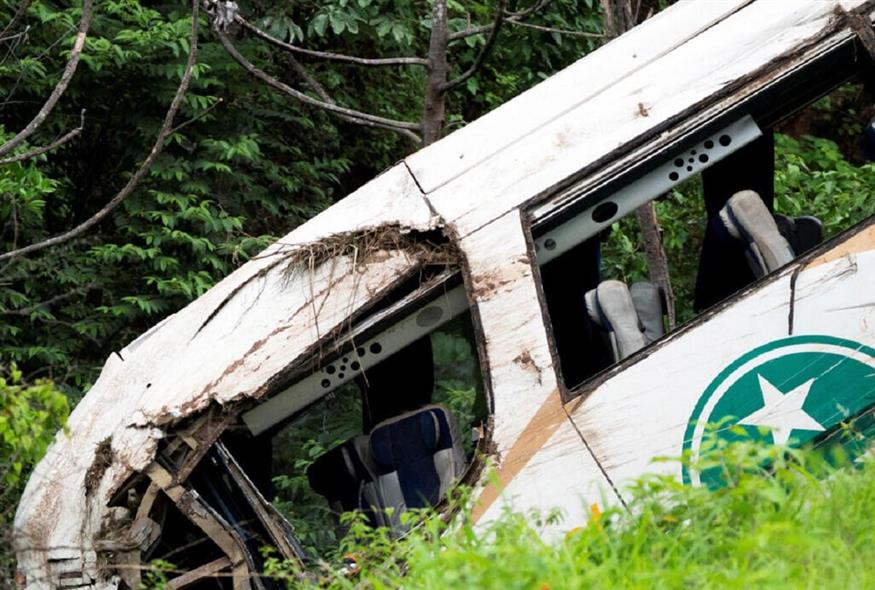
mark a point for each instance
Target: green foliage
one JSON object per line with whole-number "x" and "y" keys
{"x": 227, "y": 183}
{"x": 30, "y": 415}
{"x": 785, "y": 519}
{"x": 814, "y": 178}
{"x": 458, "y": 382}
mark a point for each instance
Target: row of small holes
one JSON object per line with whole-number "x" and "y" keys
{"x": 374, "y": 348}
{"x": 724, "y": 140}
{"x": 606, "y": 210}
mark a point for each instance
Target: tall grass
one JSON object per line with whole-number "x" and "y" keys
{"x": 784, "y": 519}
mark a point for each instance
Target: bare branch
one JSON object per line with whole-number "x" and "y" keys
{"x": 509, "y": 17}
{"x": 144, "y": 167}
{"x": 555, "y": 30}
{"x": 47, "y": 148}
{"x": 298, "y": 95}
{"x": 539, "y": 5}
{"x": 323, "y": 94}
{"x": 200, "y": 115}
{"x": 69, "y": 70}
{"x": 484, "y": 51}
{"x": 362, "y": 61}
{"x": 14, "y": 36}
{"x": 469, "y": 32}
{"x": 19, "y": 14}
{"x": 48, "y": 302}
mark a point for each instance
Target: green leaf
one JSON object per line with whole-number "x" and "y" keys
{"x": 472, "y": 85}
{"x": 319, "y": 24}
{"x": 338, "y": 23}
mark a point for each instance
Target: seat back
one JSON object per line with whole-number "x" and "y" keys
{"x": 418, "y": 455}
{"x": 345, "y": 476}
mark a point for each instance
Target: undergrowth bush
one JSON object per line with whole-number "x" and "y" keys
{"x": 30, "y": 415}
{"x": 783, "y": 519}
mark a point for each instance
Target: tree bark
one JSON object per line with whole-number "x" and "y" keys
{"x": 657, "y": 261}
{"x": 434, "y": 109}
{"x": 619, "y": 17}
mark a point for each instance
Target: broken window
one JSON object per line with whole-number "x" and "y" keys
{"x": 743, "y": 219}
{"x": 384, "y": 417}
{"x": 387, "y": 422}
{"x": 397, "y": 436}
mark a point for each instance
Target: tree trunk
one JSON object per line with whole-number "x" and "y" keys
{"x": 619, "y": 18}
{"x": 657, "y": 261}
{"x": 438, "y": 69}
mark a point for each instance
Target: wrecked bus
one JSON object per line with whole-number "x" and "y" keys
{"x": 490, "y": 236}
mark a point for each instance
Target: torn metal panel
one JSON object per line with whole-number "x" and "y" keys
{"x": 267, "y": 319}
{"x": 276, "y": 526}
{"x": 190, "y": 504}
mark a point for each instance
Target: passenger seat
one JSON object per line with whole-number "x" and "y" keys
{"x": 418, "y": 457}
{"x": 345, "y": 476}
{"x": 632, "y": 317}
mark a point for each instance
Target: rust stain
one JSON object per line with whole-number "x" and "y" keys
{"x": 487, "y": 285}
{"x": 525, "y": 360}
{"x": 533, "y": 437}
{"x": 643, "y": 111}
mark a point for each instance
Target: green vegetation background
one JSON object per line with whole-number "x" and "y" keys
{"x": 255, "y": 166}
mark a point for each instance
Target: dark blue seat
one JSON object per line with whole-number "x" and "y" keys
{"x": 418, "y": 456}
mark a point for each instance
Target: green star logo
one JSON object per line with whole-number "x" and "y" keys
{"x": 786, "y": 392}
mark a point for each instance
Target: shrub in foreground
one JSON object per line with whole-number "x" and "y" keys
{"x": 783, "y": 519}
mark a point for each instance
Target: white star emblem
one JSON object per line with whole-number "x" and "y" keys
{"x": 782, "y": 412}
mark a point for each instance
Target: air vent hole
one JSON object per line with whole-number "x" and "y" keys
{"x": 604, "y": 211}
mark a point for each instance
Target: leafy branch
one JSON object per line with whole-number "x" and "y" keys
{"x": 47, "y": 148}
{"x": 61, "y": 87}
{"x": 484, "y": 51}
{"x": 138, "y": 176}
{"x": 328, "y": 55}
{"x": 359, "y": 116}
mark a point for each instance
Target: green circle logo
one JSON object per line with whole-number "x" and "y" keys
{"x": 785, "y": 392}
